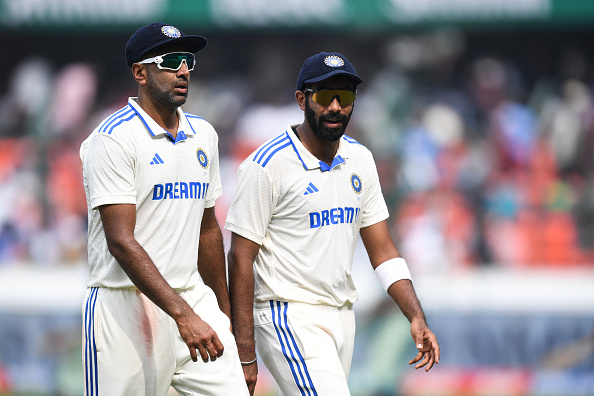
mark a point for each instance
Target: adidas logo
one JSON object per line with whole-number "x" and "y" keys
{"x": 157, "y": 160}
{"x": 311, "y": 189}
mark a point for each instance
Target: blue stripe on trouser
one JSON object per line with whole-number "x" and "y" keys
{"x": 91, "y": 385}
{"x": 296, "y": 363}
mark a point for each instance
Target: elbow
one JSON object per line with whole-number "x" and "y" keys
{"x": 118, "y": 247}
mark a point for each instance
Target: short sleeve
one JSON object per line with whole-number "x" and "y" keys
{"x": 109, "y": 172}
{"x": 253, "y": 203}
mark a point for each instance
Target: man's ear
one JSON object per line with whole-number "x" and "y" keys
{"x": 301, "y": 98}
{"x": 139, "y": 73}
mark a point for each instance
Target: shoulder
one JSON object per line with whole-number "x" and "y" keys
{"x": 268, "y": 159}
{"x": 118, "y": 121}
{"x": 272, "y": 150}
{"x": 112, "y": 132}
{"x": 353, "y": 147}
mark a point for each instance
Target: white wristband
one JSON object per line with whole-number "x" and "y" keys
{"x": 392, "y": 271}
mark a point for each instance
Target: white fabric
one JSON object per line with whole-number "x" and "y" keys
{"x": 130, "y": 159}
{"x": 308, "y": 349}
{"x": 306, "y": 220}
{"x": 391, "y": 271}
{"x": 132, "y": 347}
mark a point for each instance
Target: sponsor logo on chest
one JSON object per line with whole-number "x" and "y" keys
{"x": 337, "y": 215}
{"x": 346, "y": 215}
{"x": 180, "y": 190}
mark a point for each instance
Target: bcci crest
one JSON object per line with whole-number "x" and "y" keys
{"x": 202, "y": 158}
{"x": 171, "y": 31}
{"x": 334, "y": 61}
{"x": 356, "y": 183}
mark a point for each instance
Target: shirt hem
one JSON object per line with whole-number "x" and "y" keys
{"x": 113, "y": 199}
{"x": 244, "y": 233}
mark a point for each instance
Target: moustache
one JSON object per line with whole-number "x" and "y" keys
{"x": 336, "y": 117}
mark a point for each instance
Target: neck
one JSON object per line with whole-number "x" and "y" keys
{"x": 165, "y": 117}
{"x": 323, "y": 150}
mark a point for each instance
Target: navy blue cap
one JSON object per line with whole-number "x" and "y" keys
{"x": 324, "y": 65}
{"x": 158, "y": 34}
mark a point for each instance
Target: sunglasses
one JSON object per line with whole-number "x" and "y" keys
{"x": 173, "y": 60}
{"x": 326, "y": 96}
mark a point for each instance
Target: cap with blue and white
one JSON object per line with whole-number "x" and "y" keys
{"x": 158, "y": 34}
{"x": 324, "y": 65}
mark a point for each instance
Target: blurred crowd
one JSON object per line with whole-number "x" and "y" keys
{"x": 485, "y": 158}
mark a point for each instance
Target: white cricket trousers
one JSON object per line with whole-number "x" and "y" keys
{"x": 133, "y": 348}
{"x": 307, "y": 348}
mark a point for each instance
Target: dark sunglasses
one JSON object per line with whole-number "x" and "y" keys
{"x": 326, "y": 96}
{"x": 173, "y": 60}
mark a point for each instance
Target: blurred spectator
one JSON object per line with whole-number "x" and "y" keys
{"x": 28, "y": 96}
{"x": 74, "y": 92}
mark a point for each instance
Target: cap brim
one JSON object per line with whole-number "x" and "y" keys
{"x": 323, "y": 77}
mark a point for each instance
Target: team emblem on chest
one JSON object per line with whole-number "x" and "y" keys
{"x": 202, "y": 158}
{"x": 356, "y": 183}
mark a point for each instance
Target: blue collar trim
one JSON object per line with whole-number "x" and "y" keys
{"x": 336, "y": 161}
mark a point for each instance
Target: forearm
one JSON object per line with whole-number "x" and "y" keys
{"x": 381, "y": 249}
{"x": 403, "y": 293}
{"x": 241, "y": 292}
{"x": 211, "y": 265}
{"x": 143, "y": 273}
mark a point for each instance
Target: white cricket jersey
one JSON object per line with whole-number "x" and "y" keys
{"x": 306, "y": 216}
{"x": 130, "y": 159}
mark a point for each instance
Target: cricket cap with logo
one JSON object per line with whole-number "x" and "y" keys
{"x": 158, "y": 34}
{"x": 324, "y": 65}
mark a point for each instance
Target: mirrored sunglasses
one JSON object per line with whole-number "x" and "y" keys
{"x": 326, "y": 96}
{"x": 173, "y": 60}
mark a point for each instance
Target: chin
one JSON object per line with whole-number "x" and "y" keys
{"x": 180, "y": 100}
{"x": 330, "y": 135}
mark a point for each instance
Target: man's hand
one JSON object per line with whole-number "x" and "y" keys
{"x": 198, "y": 335}
{"x": 250, "y": 372}
{"x": 426, "y": 343}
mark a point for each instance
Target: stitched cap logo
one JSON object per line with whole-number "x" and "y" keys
{"x": 170, "y": 31}
{"x": 334, "y": 61}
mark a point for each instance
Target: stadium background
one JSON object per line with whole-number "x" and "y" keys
{"x": 481, "y": 119}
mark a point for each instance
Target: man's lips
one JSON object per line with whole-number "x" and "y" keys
{"x": 182, "y": 88}
{"x": 332, "y": 123}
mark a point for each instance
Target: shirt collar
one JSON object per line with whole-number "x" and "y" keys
{"x": 308, "y": 160}
{"x": 183, "y": 130}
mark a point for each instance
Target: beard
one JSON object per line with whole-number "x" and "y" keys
{"x": 166, "y": 98}
{"x": 322, "y": 132}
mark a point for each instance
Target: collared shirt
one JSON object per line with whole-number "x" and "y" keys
{"x": 306, "y": 215}
{"x": 130, "y": 159}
